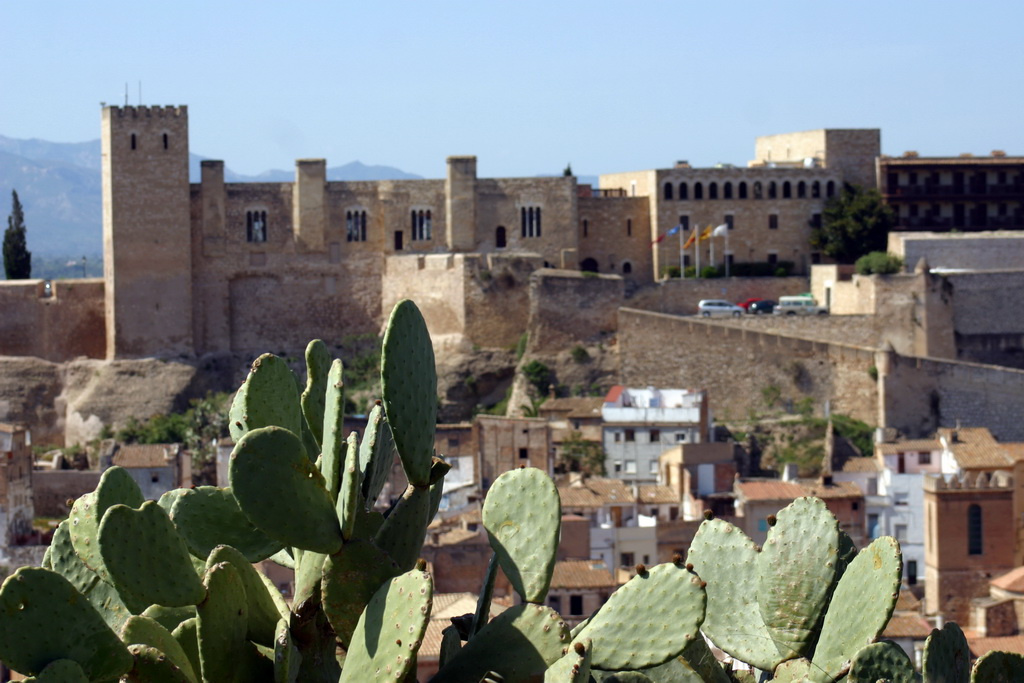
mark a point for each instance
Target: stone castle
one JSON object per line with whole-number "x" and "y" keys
{"x": 215, "y": 266}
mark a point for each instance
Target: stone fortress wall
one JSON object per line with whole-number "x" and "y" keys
{"x": 55, "y": 321}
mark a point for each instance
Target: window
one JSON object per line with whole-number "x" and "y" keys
{"x": 684, "y": 223}
{"x": 816, "y": 189}
{"x": 500, "y": 239}
{"x": 256, "y": 226}
{"x": 165, "y": 140}
{"x": 974, "y": 530}
{"x": 631, "y": 467}
{"x": 655, "y": 435}
{"x": 629, "y": 227}
{"x": 630, "y": 435}
{"x": 355, "y": 227}
{"x": 653, "y": 467}
{"x": 773, "y": 258}
{"x": 729, "y": 221}
{"x": 586, "y": 227}
{"x": 698, "y": 191}
{"x": 787, "y": 190}
{"x": 680, "y": 436}
{"x": 618, "y": 437}
{"x": 618, "y": 466}
{"x": 524, "y": 454}
{"x": 712, "y": 190}
{"x": 757, "y": 190}
{"x": 772, "y": 192}
{"x": 801, "y": 190}
{"x": 773, "y": 221}
{"x": 911, "y": 572}
{"x": 627, "y": 559}
{"x": 133, "y": 140}
{"x": 668, "y": 190}
{"x": 900, "y": 532}
{"x": 555, "y": 602}
{"x": 683, "y": 194}
{"x": 901, "y": 498}
{"x": 743, "y": 190}
{"x": 421, "y": 225}
{"x": 816, "y": 220}
{"x": 627, "y": 268}
{"x": 924, "y": 458}
{"x": 830, "y": 189}
{"x": 576, "y": 605}
{"x": 727, "y": 191}
{"x": 530, "y": 218}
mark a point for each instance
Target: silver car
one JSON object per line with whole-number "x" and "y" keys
{"x": 718, "y": 307}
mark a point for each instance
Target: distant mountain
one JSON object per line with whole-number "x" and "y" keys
{"x": 59, "y": 186}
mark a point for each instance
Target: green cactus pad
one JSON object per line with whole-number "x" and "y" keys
{"x": 287, "y": 659}
{"x": 284, "y": 558}
{"x": 187, "y": 635}
{"x": 209, "y": 516}
{"x": 65, "y": 561}
{"x": 281, "y": 491}
{"x": 116, "y": 487}
{"x": 698, "y": 658}
{"x": 521, "y": 642}
{"x": 793, "y": 671}
{"x": 675, "y": 670}
{"x": 268, "y": 396}
{"x": 151, "y": 666}
{"x": 647, "y": 621}
{"x": 797, "y": 568}
{"x": 221, "y": 624}
{"x": 313, "y": 399}
{"x": 881, "y": 661}
{"x": 727, "y": 559}
{"x": 409, "y": 388}
{"x": 146, "y": 556}
{"x": 33, "y": 601}
{"x": 451, "y": 643}
{"x": 522, "y": 515}
{"x": 109, "y": 603}
{"x": 483, "y": 601}
{"x": 263, "y": 611}
{"x": 947, "y": 656}
{"x": 351, "y": 577}
{"x": 377, "y": 452}
{"x": 60, "y": 671}
{"x": 438, "y": 470}
{"x": 573, "y": 667}
{"x": 169, "y": 617}
{"x": 401, "y": 536}
{"x": 349, "y": 495}
{"x": 139, "y": 630}
{"x": 332, "y": 455}
{"x": 308, "y": 573}
{"x": 390, "y": 630}
{"x": 998, "y": 667}
{"x": 622, "y": 677}
{"x": 861, "y": 606}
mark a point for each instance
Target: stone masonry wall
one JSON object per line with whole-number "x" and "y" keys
{"x": 567, "y": 307}
{"x": 60, "y": 327}
{"x": 680, "y": 296}
{"x": 51, "y": 489}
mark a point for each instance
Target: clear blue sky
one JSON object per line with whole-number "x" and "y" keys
{"x": 525, "y": 86}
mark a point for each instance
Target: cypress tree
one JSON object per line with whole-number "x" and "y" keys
{"x": 17, "y": 258}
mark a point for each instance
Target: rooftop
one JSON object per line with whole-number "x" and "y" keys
{"x": 143, "y": 455}
{"x": 910, "y": 445}
{"x": 975, "y": 448}
{"x": 1012, "y": 581}
{"x": 582, "y": 574}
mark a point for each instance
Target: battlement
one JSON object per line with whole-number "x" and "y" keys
{"x": 968, "y": 481}
{"x": 176, "y": 111}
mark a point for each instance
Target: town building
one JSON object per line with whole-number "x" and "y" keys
{"x": 16, "y": 505}
{"x": 641, "y": 424}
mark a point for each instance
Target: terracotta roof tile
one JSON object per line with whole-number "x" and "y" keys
{"x": 458, "y": 535}
{"x": 582, "y": 574}
{"x": 976, "y": 448}
{"x": 865, "y": 464}
{"x": 657, "y": 494}
{"x": 915, "y": 445}
{"x": 142, "y": 455}
{"x": 980, "y": 646}
{"x": 574, "y": 406}
{"x": 595, "y": 492}
{"x": 1012, "y": 581}
{"x": 907, "y": 602}
{"x": 839, "y": 489}
{"x": 1014, "y": 450}
{"x": 770, "y": 490}
{"x": 907, "y": 626}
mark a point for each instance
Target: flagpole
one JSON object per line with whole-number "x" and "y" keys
{"x": 727, "y": 253}
{"x": 696, "y": 249}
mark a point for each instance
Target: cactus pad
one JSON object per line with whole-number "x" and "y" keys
{"x": 573, "y": 667}
{"x": 401, "y": 536}
{"x": 409, "y": 388}
{"x": 522, "y": 515}
{"x": 208, "y": 516}
{"x": 282, "y": 492}
{"x": 60, "y": 671}
{"x": 313, "y": 398}
{"x": 520, "y": 642}
{"x": 861, "y": 606}
{"x": 221, "y": 624}
{"x": 796, "y": 571}
{"x": 881, "y": 661}
{"x": 998, "y": 667}
{"x": 947, "y": 655}
{"x": 151, "y": 666}
{"x": 65, "y": 561}
{"x": 263, "y": 611}
{"x": 727, "y": 559}
{"x": 351, "y": 577}
{"x": 146, "y": 556}
{"x": 647, "y": 621}
{"x": 349, "y": 494}
{"x": 268, "y": 396}
{"x": 116, "y": 486}
{"x": 390, "y": 630}
{"x": 32, "y": 601}
{"x": 145, "y": 631}
{"x": 333, "y": 452}
{"x": 377, "y": 452}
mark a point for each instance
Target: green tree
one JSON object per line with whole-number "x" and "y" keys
{"x": 855, "y": 223}
{"x": 568, "y": 170}
{"x": 579, "y": 455}
{"x": 17, "y": 258}
{"x": 879, "y": 263}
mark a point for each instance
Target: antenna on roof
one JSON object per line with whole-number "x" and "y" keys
{"x": 126, "y": 93}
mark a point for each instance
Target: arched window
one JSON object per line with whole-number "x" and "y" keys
{"x": 629, "y": 227}
{"x": 355, "y": 226}
{"x": 974, "y": 530}
{"x": 586, "y": 227}
{"x": 256, "y": 226}
{"x": 743, "y": 190}
{"x": 668, "y": 190}
{"x": 816, "y": 189}
{"x": 830, "y": 189}
{"x": 499, "y": 237}
{"x": 757, "y": 190}
{"x": 421, "y": 225}
{"x": 588, "y": 265}
{"x": 787, "y": 190}
{"x": 727, "y": 191}
{"x": 712, "y": 190}
{"x": 772, "y": 191}
{"x": 698, "y": 191}
{"x": 133, "y": 140}
{"x": 801, "y": 190}
{"x": 683, "y": 194}
{"x": 530, "y": 217}
{"x": 165, "y": 140}
{"x": 627, "y": 267}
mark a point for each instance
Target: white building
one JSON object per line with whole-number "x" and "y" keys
{"x": 640, "y": 424}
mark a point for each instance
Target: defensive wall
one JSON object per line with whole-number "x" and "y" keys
{"x": 680, "y": 296}
{"x": 569, "y": 307}
{"x": 988, "y": 316}
{"x": 58, "y": 324}
{"x": 51, "y": 489}
{"x": 991, "y": 250}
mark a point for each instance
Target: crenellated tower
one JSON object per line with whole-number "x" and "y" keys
{"x": 147, "y": 240}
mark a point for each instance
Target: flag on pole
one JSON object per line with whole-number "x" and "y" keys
{"x": 671, "y": 231}
{"x": 706, "y": 235}
{"x": 692, "y": 238}
{"x": 720, "y": 230}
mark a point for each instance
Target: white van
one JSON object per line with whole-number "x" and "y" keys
{"x": 798, "y": 305}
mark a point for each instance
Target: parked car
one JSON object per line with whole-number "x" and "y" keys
{"x": 799, "y": 305}
{"x": 718, "y": 307}
{"x": 761, "y": 307}
{"x": 745, "y": 304}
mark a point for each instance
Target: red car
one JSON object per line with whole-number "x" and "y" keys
{"x": 745, "y": 305}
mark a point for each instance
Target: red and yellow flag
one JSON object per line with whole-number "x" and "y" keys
{"x": 690, "y": 240}
{"x": 706, "y": 235}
